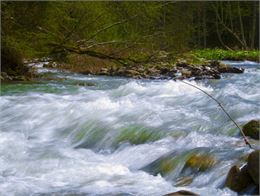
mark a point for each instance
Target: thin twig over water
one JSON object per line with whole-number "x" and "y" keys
{"x": 221, "y": 106}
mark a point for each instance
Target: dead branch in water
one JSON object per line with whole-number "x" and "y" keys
{"x": 223, "y": 109}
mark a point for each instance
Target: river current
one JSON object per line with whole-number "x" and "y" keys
{"x": 76, "y": 134}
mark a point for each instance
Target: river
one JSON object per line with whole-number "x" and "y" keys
{"x": 76, "y": 134}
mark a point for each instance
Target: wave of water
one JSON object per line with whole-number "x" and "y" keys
{"x": 66, "y": 137}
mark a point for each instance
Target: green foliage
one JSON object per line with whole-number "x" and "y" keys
{"x": 220, "y": 54}
{"x": 19, "y": 26}
{"x": 32, "y": 27}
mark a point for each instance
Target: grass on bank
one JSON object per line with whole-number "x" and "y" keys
{"x": 220, "y": 54}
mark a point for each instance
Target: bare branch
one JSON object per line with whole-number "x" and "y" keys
{"x": 106, "y": 43}
{"x": 108, "y": 27}
{"x": 221, "y": 106}
{"x": 227, "y": 28}
{"x": 91, "y": 53}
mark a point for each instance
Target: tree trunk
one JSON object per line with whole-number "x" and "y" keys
{"x": 253, "y": 26}
{"x": 204, "y": 28}
{"x": 219, "y": 35}
{"x": 230, "y": 16}
{"x": 241, "y": 25}
{"x": 199, "y": 28}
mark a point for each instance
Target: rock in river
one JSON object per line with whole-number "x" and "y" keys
{"x": 253, "y": 166}
{"x": 181, "y": 192}
{"x": 238, "y": 180}
{"x": 252, "y": 129}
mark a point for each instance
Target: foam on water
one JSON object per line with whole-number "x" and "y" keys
{"x": 96, "y": 139}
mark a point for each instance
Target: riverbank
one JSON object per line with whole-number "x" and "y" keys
{"x": 197, "y": 64}
{"x": 162, "y": 70}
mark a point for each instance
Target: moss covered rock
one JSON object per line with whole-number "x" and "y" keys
{"x": 252, "y": 129}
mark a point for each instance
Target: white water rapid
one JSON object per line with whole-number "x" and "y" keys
{"x": 93, "y": 135}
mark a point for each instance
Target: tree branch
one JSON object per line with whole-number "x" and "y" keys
{"x": 92, "y": 53}
{"x": 108, "y": 27}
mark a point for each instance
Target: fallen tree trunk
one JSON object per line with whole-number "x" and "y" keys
{"x": 92, "y": 53}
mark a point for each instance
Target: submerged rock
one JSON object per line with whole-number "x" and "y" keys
{"x": 165, "y": 165}
{"x": 184, "y": 181}
{"x": 252, "y": 129}
{"x": 201, "y": 162}
{"x": 181, "y": 192}
{"x": 137, "y": 135}
{"x": 182, "y": 167}
{"x": 253, "y": 166}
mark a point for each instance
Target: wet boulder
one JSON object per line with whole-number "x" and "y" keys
{"x": 238, "y": 180}
{"x": 252, "y": 129}
{"x": 183, "y": 164}
{"x": 223, "y": 68}
{"x": 165, "y": 165}
{"x": 253, "y": 166}
{"x": 181, "y": 192}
